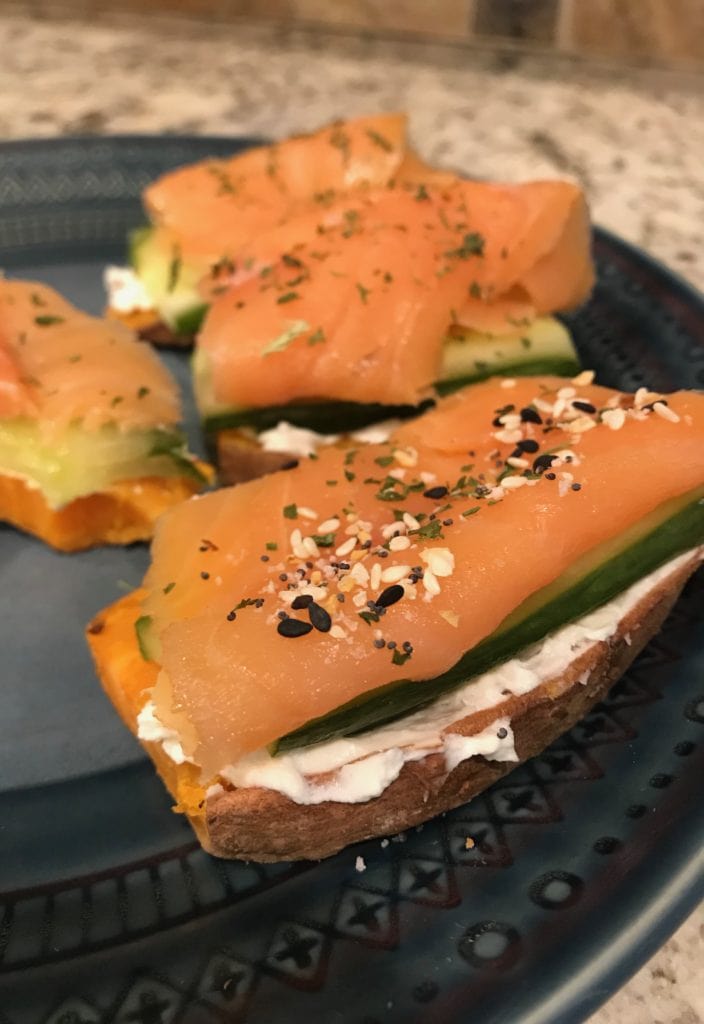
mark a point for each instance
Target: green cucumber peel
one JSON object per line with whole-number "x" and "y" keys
{"x": 681, "y": 530}
{"x": 553, "y": 367}
{"x": 141, "y": 628}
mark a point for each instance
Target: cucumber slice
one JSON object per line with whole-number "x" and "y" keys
{"x": 594, "y": 580}
{"x": 171, "y": 283}
{"x": 543, "y": 347}
{"x": 81, "y": 462}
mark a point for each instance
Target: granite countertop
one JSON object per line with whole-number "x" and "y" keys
{"x": 634, "y": 139}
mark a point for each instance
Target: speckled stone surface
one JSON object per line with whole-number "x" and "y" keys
{"x": 634, "y": 139}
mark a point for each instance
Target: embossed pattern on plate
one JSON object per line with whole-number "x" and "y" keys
{"x": 529, "y": 904}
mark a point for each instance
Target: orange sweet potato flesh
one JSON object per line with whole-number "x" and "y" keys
{"x": 123, "y": 513}
{"x": 128, "y": 680}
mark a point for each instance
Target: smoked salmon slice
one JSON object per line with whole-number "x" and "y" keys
{"x": 277, "y": 602}
{"x": 358, "y": 309}
{"x": 59, "y": 365}
{"x": 226, "y": 203}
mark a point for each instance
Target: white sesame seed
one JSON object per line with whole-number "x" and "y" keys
{"x": 375, "y": 576}
{"x": 566, "y": 393}
{"x": 427, "y": 478}
{"x": 296, "y": 537}
{"x": 344, "y": 549}
{"x": 337, "y": 632}
{"x": 359, "y": 599}
{"x": 613, "y": 418}
{"x": 307, "y": 513}
{"x": 360, "y": 574}
{"x": 406, "y": 456}
{"x": 399, "y": 543}
{"x": 566, "y": 454}
{"x": 410, "y": 521}
{"x": 311, "y": 547}
{"x": 584, "y": 378}
{"x": 511, "y": 421}
{"x": 397, "y": 474}
{"x": 430, "y": 582}
{"x": 507, "y": 382}
{"x": 440, "y": 561}
{"x": 512, "y": 483}
{"x": 496, "y": 493}
{"x": 408, "y": 589}
{"x": 517, "y": 463}
{"x": 582, "y": 424}
{"x": 392, "y": 529}
{"x": 317, "y": 593}
{"x": 395, "y": 573}
{"x": 329, "y": 525}
{"x": 563, "y": 484}
{"x": 508, "y": 436}
{"x": 665, "y": 412}
{"x": 559, "y": 407}
{"x": 542, "y": 405}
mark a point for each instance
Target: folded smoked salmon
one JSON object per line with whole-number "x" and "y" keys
{"x": 90, "y": 452}
{"x": 348, "y": 282}
{"x": 346, "y": 649}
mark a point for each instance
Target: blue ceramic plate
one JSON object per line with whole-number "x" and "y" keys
{"x": 584, "y": 860}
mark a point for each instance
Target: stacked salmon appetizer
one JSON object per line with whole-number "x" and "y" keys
{"x": 334, "y": 280}
{"x": 345, "y": 649}
{"x": 90, "y": 450}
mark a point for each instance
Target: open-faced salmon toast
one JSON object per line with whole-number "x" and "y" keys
{"x": 344, "y": 650}
{"x": 389, "y": 282}
{"x": 90, "y": 451}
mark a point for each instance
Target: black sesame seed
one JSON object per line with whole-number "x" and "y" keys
{"x": 259, "y": 602}
{"x": 283, "y": 576}
{"x": 447, "y": 522}
{"x": 584, "y": 406}
{"x": 231, "y": 616}
{"x": 379, "y": 643}
{"x": 529, "y": 415}
{"x": 502, "y": 734}
{"x": 282, "y": 615}
{"x": 263, "y": 558}
{"x": 341, "y": 598}
{"x": 576, "y": 487}
{"x": 435, "y": 492}
{"x": 543, "y": 462}
{"x": 343, "y": 565}
{"x": 309, "y": 565}
{"x": 408, "y": 647}
{"x": 293, "y": 627}
{"x": 390, "y": 596}
{"x": 528, "y": 445}
{"x": 391, "y": 645}
{"x": 383, "y": 553}
{"x": 550, "y": 476}
{"x": 205, "y": 575}
{"x": 302, "y": 601}
{"x": 320, "y": 618}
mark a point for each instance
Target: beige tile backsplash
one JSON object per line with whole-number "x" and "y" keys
{"x": 663, "y": 32}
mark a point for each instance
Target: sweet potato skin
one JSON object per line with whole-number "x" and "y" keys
{"x": 263, "y": 825}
